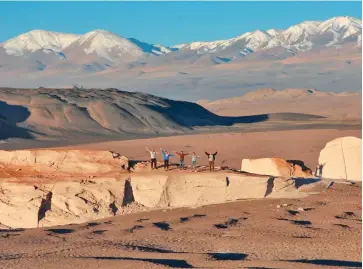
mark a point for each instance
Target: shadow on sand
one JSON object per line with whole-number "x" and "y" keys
{"x": 10, "y": 115}
{"x": 324, "y": 262}
{"x": 191, "y": 115}
{"x": 173, "y": 263}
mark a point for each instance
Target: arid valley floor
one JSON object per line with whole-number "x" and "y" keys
{"x": 322, "y": 230}
{"x": 261, "y": 100}
{"x": 243, "y": 234}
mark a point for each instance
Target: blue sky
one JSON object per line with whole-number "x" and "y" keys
{"x": 166, "y": 23}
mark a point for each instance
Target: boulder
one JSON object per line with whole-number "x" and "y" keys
{"x": 65, "y": 161}
{"x": 342, "y": 159}
{"x": 275, "y": 167}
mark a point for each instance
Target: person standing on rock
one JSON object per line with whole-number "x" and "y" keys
{"x": 194, "y": 162}
{"x": 166, "y": 156}
{"x": 152, "y": 158}
{"x": 182, "y": 155}
{"x": 211, "y": 159}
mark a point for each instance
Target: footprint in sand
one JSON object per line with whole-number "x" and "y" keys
{"x": 61, "y": 231}
{"x": 229, "y": 223}
{"x": 99, "y": 231}
{"x": 226, "y": 256}
{"x": 301, "y": 222}
{"x": 135, "y": 228}
{"x": 293, "y": 212}
{"x": 297, "y": 222}
{"x": 185, "y": 219}
{"x": 342, "y": 225}
{"x": 92, "y": 224}
{"x": 141, "y": 220}
{"x": 162, "y": 225}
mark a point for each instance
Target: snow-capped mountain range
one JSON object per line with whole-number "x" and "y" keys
{"x": 300, "y": 37}
{"x": 50, "y": 56}
{"x": 109, "y": 46}
{"x": 38, "y": 40}
{"x": 103, "y": 43}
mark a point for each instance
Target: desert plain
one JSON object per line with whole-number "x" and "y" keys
{"x": 276, "y": 229}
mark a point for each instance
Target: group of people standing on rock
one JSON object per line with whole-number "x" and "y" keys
{"x": 181, "y": 154}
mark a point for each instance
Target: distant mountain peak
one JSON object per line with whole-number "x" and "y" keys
{"x": 101, "y": 31}
{"x": 101, "y": 49}
{"x": 345, "y": 20}
{"x": 37, "y": 40}
{"x": 299, "y": 37}
{"x": 107, "y": 45}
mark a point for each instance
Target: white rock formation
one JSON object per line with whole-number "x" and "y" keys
{"x": 342, "y": 159}
{"x": 57, "y": 187}
{"x": 275, "y": 167}
{"x": 49, "y": 203}
{"x": 64, "y": 161}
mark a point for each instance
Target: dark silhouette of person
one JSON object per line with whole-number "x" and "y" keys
{"x": 321, "y": 166}
{"x": 319, "y": 170}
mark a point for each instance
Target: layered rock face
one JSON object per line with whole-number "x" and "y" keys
{"x": 342, "y": 159}
{"x": 73, "y": 162}
{"x": 53, "y": 187}
{"x": 275, "y": 167}
{"x": 37, "y": 204}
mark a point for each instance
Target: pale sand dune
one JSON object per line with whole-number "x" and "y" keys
{"x": 328, "y": 104}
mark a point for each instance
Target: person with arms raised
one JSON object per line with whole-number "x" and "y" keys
{"x": 182, "y": 154}
{"x": 166, "y": 156}
{"x": 152, "y": 158}
{"x": 211, "y": 159}
{"x": 194, "y": 161}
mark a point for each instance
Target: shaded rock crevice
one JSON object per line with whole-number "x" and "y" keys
{"x": 45, "y": 205}
{"x": 128, "y": 193}
{"x": 270, "y": 186}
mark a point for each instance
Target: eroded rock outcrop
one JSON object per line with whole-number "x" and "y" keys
{"x": 73, "y": 162}
{"x": 32, "y": 204}
{"x": 276, "y": 167}
{"x": 342, "y": 159}
{"x": 54, "y": 187}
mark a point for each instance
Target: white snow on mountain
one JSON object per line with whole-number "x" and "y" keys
{"x": 345, "y": 26}
{"x": 161, "y": 49}
{"x": 273, "y": 32}
{"x": 36, "y": 40}
{"x": 254, "y": 40}
{"x": 100, "y": 42}
{"x": 341, "y": 28}
{"x": 299, "y": 31}
{"x": 299, "y": 36}
{"x": 105, "y": 43}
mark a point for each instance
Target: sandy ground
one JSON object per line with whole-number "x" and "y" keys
{"x": 333, "y": 107}
{"x": 243, "y": 234}
{"x": 302, "y": 145}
